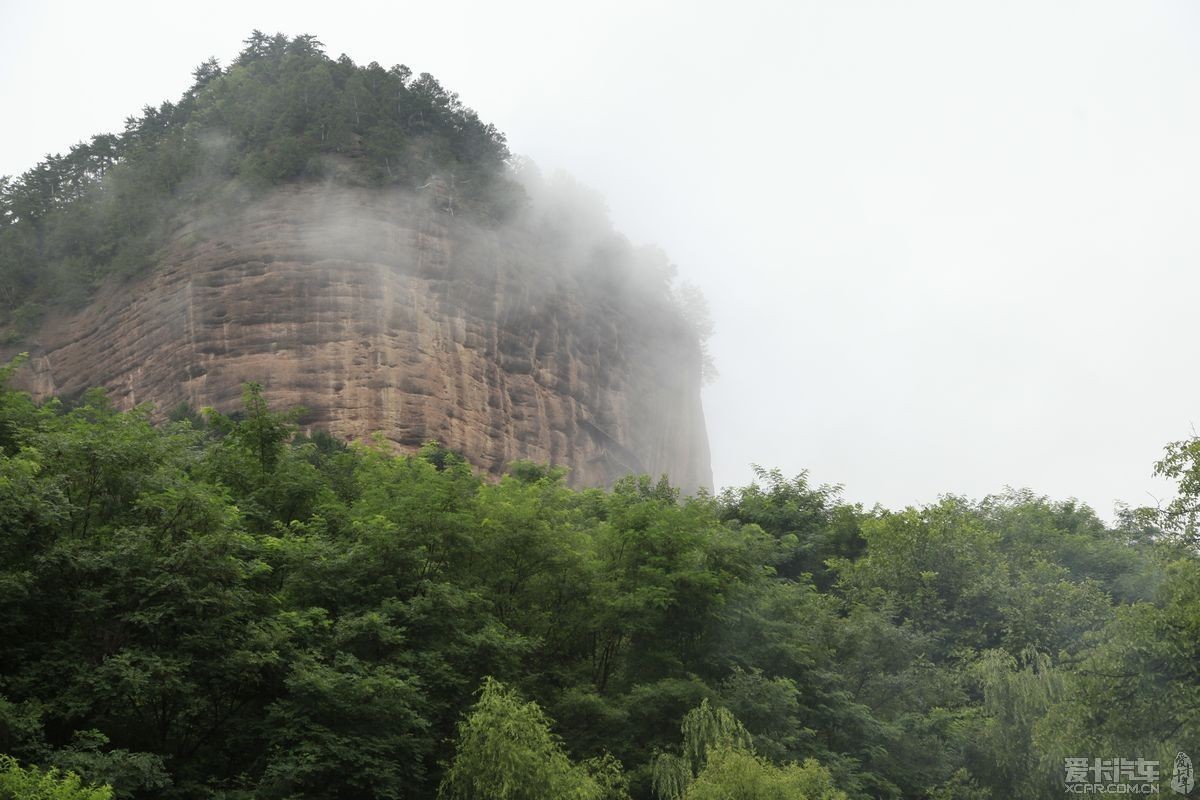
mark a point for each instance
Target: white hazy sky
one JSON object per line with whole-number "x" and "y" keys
{"x": 949, "y": 246}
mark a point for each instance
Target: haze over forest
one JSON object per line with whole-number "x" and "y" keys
{"x": 947, "y": 248}
{"x": 459, "y": 575}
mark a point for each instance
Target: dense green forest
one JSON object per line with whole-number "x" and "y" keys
{"x": 280, "y": 112}
{"x": 223, "y": 607}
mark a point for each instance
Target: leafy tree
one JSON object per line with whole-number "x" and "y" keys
{"x": 346, "y": 728}
{"x": 1135, "y": 688}
{"x": 1181, "y": 463}
{"x": 733, "y": 774}
{"x": 222, "y": 607}
{"x": 1000, "y": 745}
{"x": 704, "y": 728}
{"x": 809, "y": 521}
{"x": 936, "y": 567}
{"x": 126, "y": 773}
{"x": 718, "y": 761}
{"x": 506, "y": 751}
{"x": 18, "y": 783}
{"x": 278, "y": 113}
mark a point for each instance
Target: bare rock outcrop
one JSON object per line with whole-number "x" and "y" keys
{"x": 384, "y": 313}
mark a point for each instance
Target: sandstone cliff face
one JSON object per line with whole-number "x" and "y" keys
{"x": 384, "y": 313}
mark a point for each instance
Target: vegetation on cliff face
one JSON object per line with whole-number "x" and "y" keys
{"x": 284, "y": 111}
{"x": 223, "y": 608}
{"x": 275, "y": 114}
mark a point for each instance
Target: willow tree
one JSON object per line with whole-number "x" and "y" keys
{"x": 718, "y": 762}
{"x": 506, "y": 751}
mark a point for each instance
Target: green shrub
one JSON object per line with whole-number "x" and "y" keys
{"x": 30, "y": 783}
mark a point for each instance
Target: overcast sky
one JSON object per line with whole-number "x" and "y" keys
{"x": 949, "y": 247}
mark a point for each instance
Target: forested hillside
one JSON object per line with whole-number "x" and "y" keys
{"x": 223, "y": 608}
{"x": 356, "y": 239}
{"x": 276, "y": 114}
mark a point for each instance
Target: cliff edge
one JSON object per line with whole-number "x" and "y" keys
{"x": 382, "y": 311}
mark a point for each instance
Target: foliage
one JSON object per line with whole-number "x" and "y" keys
{"x": 1181, "y": 463}
{"x": 17, "y": 783}
{"x": 718, "y": 761}
{"x": 282, "y": 111}
{"x": 705, "y": 729}
{"x": 733, "y": 774}
{"x": 506, "y": 752}
{"x": 226, "y": 606}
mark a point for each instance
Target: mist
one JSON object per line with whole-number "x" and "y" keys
{"x": 947, "y": 248}
{"x": 359, "y": 427}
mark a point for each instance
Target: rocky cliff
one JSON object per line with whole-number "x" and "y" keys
{"x": 387, "y": 313}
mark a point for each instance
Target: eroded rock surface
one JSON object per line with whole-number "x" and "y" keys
{"x": 383, "y": 313}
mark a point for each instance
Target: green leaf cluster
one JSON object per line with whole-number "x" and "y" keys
{"x": 17, "y": 783}
{"x": 229, "y": 606}
{"x": 282, "y": 111}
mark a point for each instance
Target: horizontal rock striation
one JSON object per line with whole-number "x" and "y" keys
{"x": 384, "y": 313}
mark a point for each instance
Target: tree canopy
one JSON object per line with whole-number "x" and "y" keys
{"x": 280, "y": 112}
{"x": 223, "y": 606}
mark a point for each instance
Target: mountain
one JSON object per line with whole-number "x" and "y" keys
{"x": 359, "y": 243}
